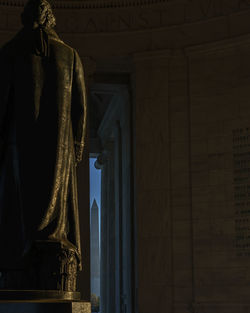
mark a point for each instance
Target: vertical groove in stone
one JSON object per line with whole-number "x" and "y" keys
{"x": 190, "y": 180}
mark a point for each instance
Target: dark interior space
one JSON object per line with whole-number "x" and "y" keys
{"x": 168, "y": 89}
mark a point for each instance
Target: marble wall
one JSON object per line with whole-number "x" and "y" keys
{"x": 153, "y": 182}
{"x": 219, "y": 123}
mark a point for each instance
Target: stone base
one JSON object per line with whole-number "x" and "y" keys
{"x": 49, "y": 265}
{"x": 39, "y": 295}
{"x": 45, "y": 307}
{"x": 42, "y": 301}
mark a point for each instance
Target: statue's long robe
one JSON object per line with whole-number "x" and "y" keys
{"x": 42, "y": 128}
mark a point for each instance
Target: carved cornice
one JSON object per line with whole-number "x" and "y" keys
{"x": 88, "y": 4}
{"x": 218, "y": 46}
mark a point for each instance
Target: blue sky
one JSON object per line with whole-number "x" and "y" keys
{"x": 95, "y": 190}
{"x": 95, "y": 183}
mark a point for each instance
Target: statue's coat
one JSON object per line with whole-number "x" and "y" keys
{"x": 42, "y": 129}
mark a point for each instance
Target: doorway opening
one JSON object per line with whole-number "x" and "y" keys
{"x": 110, "y": 144}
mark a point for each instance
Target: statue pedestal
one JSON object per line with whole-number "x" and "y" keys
{"x": 45, "y": 307}
{"x": 42, "y": 301}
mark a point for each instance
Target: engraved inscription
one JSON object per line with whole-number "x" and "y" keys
{"x": 241, "y": 160}
{"x": 135, "y": 18}
{"x": 211, "y": 7}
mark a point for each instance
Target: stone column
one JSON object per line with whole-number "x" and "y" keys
{"x": 107, "y": 288}
{"x": 94, "y": 249}
{"x": 162, "y": 182}
{"x": 152, "y": 155}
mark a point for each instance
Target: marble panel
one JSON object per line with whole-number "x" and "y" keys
{"x": 239, "y": 23}
{"x": 244, "y": 109}
{"x": 181, "y": 212}
{"x": 215, "y": 129}
{"x": 212, "y": 239}
{"x": 181, "y": 254}
{"x": 200, "y": 179}
{"x": 182, "y": 278}
{"x": 199, "y": 130}
{"x": 222, "y": 97}
{"x": 179, "y": 164}
{"x": 143, "y": 79}
{"x": 221, "y": 284}
{"x": 198, "y": 114}
{"x": 199, "y": 162}
{"x": 154, "y": 259}
{"x": 220, "y": 74}
{"x": 213, "y": 107}
{"x": 207, "y": 207}
{"x": 181, "y": 246}
{"x": 179, "y": 126}
{"x": 222, "y": 307}
{"x": 153, "y": 210}
{"x": 199, "y": 148}
{"x": 180, "y": 197}
{"x": 151, "y": 76}
{"x": 226, "y": 258}
{"x": 219, "y": 144}
{"x": 182, "y": 307}
{"x": 181, "y": 230}
{"x": 182, "y": 293}
{"x": 179, "y": 133}
{"x": 220, "y": 160}
{"x": 179, "y": 149}
{"x": 177, "y": 103}
{"x": 200, "y": 210}
{"x": 154, "y": 298}
{"x": 200, "y": 195}
{"x": 178, "y": 86}
{"x": 159, "y": 81}
{"x": 178, "y": 70}
{"x": 152, "y": 123}
{"x": 152, "y": 171}
{"x": 216, "y": 177}
{"x": 180, "y": 179}
{"x": 183, "y": 285}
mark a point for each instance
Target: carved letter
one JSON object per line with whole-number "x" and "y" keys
{"x": 91, "y": 26}
{"x": 143, "y": 21}
{"x": 205, "y": 7}
{"x": 125, "y": 22}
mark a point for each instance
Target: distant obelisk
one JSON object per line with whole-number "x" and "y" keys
{"x": 94, "y": 248}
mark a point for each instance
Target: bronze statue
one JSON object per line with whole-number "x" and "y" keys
{"x": 42, "y": 130}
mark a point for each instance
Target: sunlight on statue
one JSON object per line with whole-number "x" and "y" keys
{"x": 42, "y": 131}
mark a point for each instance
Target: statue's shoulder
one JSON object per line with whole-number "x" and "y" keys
{"x": 62, "y": 49}
{"x": 53, "y": 36}
{"x": 61, "y": 43}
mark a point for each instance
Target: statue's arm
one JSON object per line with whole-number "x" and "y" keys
{"x": 78, "y": 107}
